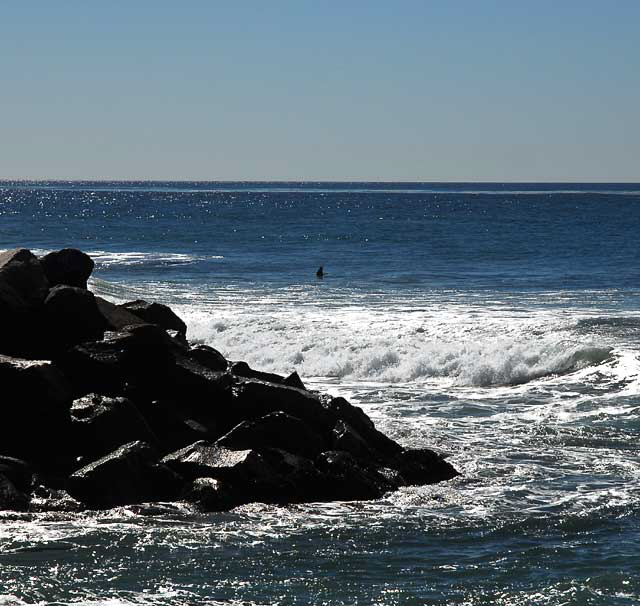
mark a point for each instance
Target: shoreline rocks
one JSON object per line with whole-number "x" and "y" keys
{"x": 107, "y": 405}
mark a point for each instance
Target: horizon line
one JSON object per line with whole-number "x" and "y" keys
{"x": 305, "y": 181}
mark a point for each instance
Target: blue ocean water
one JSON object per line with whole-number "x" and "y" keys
{"x": 497, "y": 323}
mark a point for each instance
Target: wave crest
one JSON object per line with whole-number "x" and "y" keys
{"x": 392, "y": 351}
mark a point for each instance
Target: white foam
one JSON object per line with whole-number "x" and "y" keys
{"x": 456, "y": 347}
{"x": 132, "y": 258}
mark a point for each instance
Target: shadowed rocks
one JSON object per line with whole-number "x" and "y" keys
{"x": 130, "y": 474}
{"x": 68, "y": 266}
{"x": 106, "y": 405}
{"x": 156, "y": 313}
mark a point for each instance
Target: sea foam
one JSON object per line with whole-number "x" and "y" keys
{"x": 408, "y": 347}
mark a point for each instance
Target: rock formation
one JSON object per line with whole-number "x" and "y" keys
{"x": 106, "y": 405}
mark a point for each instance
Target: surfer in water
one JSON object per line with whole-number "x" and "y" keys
{"x": 320, "y": 273}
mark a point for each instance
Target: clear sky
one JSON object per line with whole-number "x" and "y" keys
{"x": 451, "y": 90}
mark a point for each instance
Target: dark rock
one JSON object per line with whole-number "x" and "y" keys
{"x": 294, "y": 380}
{"x": 172, "y": 427}
{"x": 160, "y": 337}
{"x": 275, "y": 430}
{"x": 209, "y": 357}
{"x": 209, "y": 494}
{"x": 204, "y": 394}
{"x": 199, "y": 381}
{"x": 345, "y": 438}
{"x": 242, "y": 369}
{"x": 34, "y": 412}
{"x": 68, "y": 266}
{"x": 140, "y": 356}
{"x": 129, "y": 475}
{"x": 422, "y": 466}
{"x": 11, "y": 499}
{"x": 116, "y": 317}
{"x": 23, "y": 288}
{"x": 178, "y": 337}
{"x": 156, "y": 313}
{"x": 380, "y": 445}
{"x": 288, "y": 478}
{"x": 350, "y": 479}
{"x": 101, "y": 424}
{"x": 19, "y": 472}
{"x": 72, "y": 317}
{"x": 255, "y": 399}
{"x": 205, "y": 460}
{"x": 23, "y": 278}
{"x": 271, "y": 476}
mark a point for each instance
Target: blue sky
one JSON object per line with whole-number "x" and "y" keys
{"x": 436, "y": 91}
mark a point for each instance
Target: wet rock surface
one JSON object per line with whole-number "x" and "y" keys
{"x": 107, "y": 405}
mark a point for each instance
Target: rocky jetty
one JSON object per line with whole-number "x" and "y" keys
{"x": 106, "y": 405}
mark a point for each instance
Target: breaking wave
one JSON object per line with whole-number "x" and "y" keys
{"x": 132, "y": 258}
{"x": 394, "y": 350}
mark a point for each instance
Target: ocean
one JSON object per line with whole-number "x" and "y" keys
{"x": 496, "y": 323}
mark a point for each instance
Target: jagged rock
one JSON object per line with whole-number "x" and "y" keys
{"x": 19, "y": 472}
{"x": 196, "y": 380}
{"x": 23, "y": 288}
{"x": 34, "y": 415}
{"x": 173, "y": 429}
{"x": 204, "y": 394}
{"x": 68, "y": 266}
{"x": 11, "y": 499}
{"x": 254, "y": 399}
{"x": 242, "y": 369}
{"x": 380, "y": 445}
{"x": 270, "y": 476}
{"x": 178, "y": 337}
{"x": 294, "y": 380}
{"x": 288, "y": 478}
{"x": 282, "y": 443}
{"x": 275, "y": 430}
{"x": 210, "y": 494}
{"x": 101, "y": 424}
{"x": 22, "y": 278}
{"x": 422, "y": 466}
{"x": 205, "y": 460}
{"x": 209, "y": 357}
{"x": 350, "y": 479}
{"x": 131, "y": 474}
{"x": 72, "y": 317}
{"x": 156, "y": 313}
{"x": 116, "y": 317}
{"x": 140, "y": 355}
{"x": 345, "y": 438}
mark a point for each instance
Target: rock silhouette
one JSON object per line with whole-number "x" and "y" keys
{"x": 106, "y": 405}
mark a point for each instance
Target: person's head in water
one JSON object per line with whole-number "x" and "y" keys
{"x": 320, "y": 272}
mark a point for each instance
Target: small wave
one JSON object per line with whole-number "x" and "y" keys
{"x": 106, "y": 259}
{"x": 133, "y": 258}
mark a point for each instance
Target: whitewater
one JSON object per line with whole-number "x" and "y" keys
{"x": 495, "y": 323}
